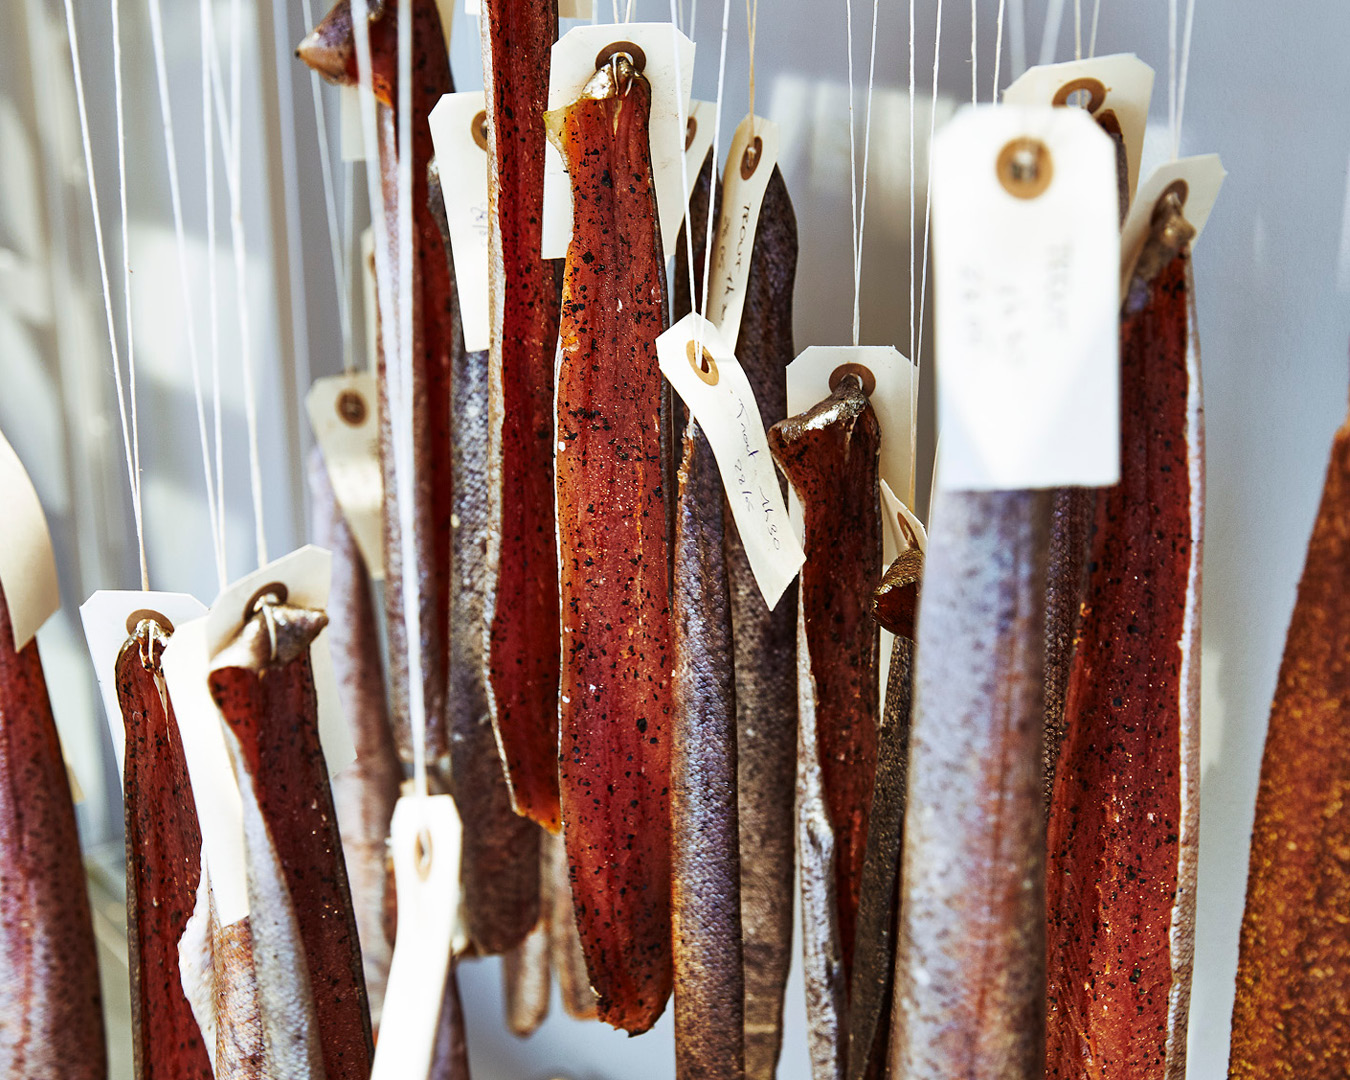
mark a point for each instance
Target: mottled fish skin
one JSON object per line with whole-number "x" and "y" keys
{"x": 163, "y": 864}
{"x": 264, "y": 687}
{"x": 970, "y": 963}
{"x": 565, "y": 955}
{"x": 330, "y": 50}
{"x": 365, "y": 791}
{"x": 1066, "y": 581}
{"x": 614, "y": 554}
{"x": 499, "y": 866}
{"x": 765, "y": 661}
{"x": 830, "y": 455}
{"x": 240, "y": 1044}
{"x": 895, "y": 605}
{"x": 1292, "y": 1012}
{"x": 1124, "y": 818}
{"x": 524, "y": 306}
{"x": 705, "y": 835}
{"x": 51, "y": 1015}
{"x": 525, "y": 982}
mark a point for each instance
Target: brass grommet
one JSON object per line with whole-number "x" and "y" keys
{"x": 690, "y": 130}
{"x": 635, "y": 55}
{"x": 275, "y": 591}
{"x": 751, "y": 158}
{"x": 478, "y": 126}
{"x": 146, "y": 614}
{"x": 1025, "y": 168}
{"x": 351, "y": 406}
{"x": 705, "y": 367}
{"x": 1094, "y": 88}
{"x": 862, "y": 373}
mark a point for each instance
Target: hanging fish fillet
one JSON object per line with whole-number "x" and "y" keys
{"x": 565, "y": 955}
{"x": 1120, "y": 897}
{"x": 451, "y": 1058}
{"x": 614, "y": 554}
{"x": 1292, "y": 1013}
{"x": 163, "y": 862}
{"x": 894, "y": 606}
{"x": 499, "y": 866}
{"x": 521, "y": 575}
{"x": 240, "y": 1044}
{"x": 525, "y": 982}
{"x": 300, "y": 904}
{"x": 51, "y": 1015}
{"x": 970, "y": 964}
{"x": 831, "y": 457}
{"x": 705, "y": 837}
{"x": 331, "y": 51}
{"x": 365, "y": 791}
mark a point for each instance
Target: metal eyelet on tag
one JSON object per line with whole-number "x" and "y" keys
{"x": 1179, "y": 188}
{"x": 274, "y": 592}
{"x": 634, "y": 53}
{"x": 705, "y": 366}
{"x": 690, "y": 130}
{"x": 866, "y": 380}
{"x": 751, "y": 158}
{"x": 1025, "y": 168}
{"x": 148, "y": 615}
{"x": 478, "y": 127}
{"x": 1093, "y": 87}
{"x": 351, "y": 406}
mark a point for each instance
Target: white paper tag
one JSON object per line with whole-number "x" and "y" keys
{"x": 574, "y": 57}
{"x": 446, "y": 10}
{"x": 215, "y": 791}
{"x": 904, "y": 530}
{"x": 1026, "y": 262}
{"x": 343, "y": 411}
{"x": 724, "y": 405}
{"x": 27, "y": 565}
{"x": 698, "y": 137}
{"x": 1122, "y": 83}
{"x": 750, "y": 165}
{"x": 461, "y": 155}
{"x": 351, "y": 135}
{"x": 1203, "y": 176}
{"x": 425, "y": 837}
{"x": 105, "y": 616}
{"x": 306, "y": 574}
{"x": 575, "y": 9}
{"x": 369, "y": 301}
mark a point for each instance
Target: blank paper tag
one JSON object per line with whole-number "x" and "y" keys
{"x": 306, "y": 574}
{"x": 574, "y": 57}
{"x": 105, "y": 616}
{"x": 214, "y": 788}
{"x": 351, "y": 134}
{"x": 1122, "y": 83}
{"x": 369, "y": 302}
{"x": 425, "y": 838}
{"x": 1202, "y": 176}
{"x": 750, "y": 164}
{"x": 724, "y": 405}
{"x": 461, "y": 156}
{"x": 343, "y": 413}
{"x": 904, "y": 530}
{"x": 446, "y": 10}
{"x": 698, "y": 137}
{"x": 27, "y": 565}
{"x": 1027, "y": 261}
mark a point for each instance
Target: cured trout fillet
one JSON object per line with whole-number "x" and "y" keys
{"x": 1292, "y": 1013}
{"x": 298, "y": 892}
{"x": 521, "y": 577}
{"x": 164, "y": 859}
{"x": 1120, "y": 897}
{"x": 970, "y": 963}
{"x": 51, "y": 1014}
{"x": 830, "y": 455}
{"x": 365, "y": 791}
{"x": 331, "y": 51}
{"x": 613, "y": 552}
{"x": 499, "y": 866}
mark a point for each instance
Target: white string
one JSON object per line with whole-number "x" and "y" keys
{"x": 1017, "y": 38}
{"x": 684, "y": 168}
{"x": 913, "y": 240}
{"x": 974, "y": 53}
{"x": 927, "y": 226}
{"x": 210, "y": 64}
{"x": 1096, "y": 18}
{"x": 716, "y": 156}
{"x": 852, "y": 163}
{"x": 1054, "y": 19}
{"x": 1185, "y": 74}
{"x": 998, "y": 46}
{"x": 336, "y": 249}
{"x": 859, "y": 212}
{"x": 348, "y": 232}
{"x": 1078, "y": 29}
{"x": 115, "y": 7}
{"x": 103, "y": 277}
{"x": 1172, "y": 75}
{"x": 180, "y": 237}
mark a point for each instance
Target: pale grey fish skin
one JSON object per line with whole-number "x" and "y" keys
{"x": 765, "y": 662}
{"x": 240, "y": 1049}
{"x": 565, "y": 953}
{"x": 874, "y": 955}
{"x": 970, "y": 965}
{"x": 365, "y": 792}
{"x": 1066, "y": 583}
{"x": 705, "y": 841}
{"x": 499, "y": 868}
{"x": 526, "y": 984}
{"x": 822, "y": 962}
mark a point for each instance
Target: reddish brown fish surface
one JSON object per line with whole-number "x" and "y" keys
{"x": 331, "y": 51}
{"x": 831, "y": 457}
{"x": 263, "y": 685}
{"x": 970, "y": 962}
{"x": 522, "y": 567}
{"x": 1292, "y": 1013}
{"x": 614, "y": 553}
{"x": 365, "y": 791}
{"x": 1066, "y": 578}
{"x": 51, "y": 1015}
{"x": 499, "y": 865}
{"x": 1120, "y": 890}
{"x": 163, "y": 855}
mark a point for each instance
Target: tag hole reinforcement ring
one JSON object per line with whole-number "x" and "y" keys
{"x": 705, "y": 367}
{"x": 866, "y": 380}
{"x": 750, "y": 160}
{"x": 478, "y": 126}
{"x": 1179, "y": 188}
{"x": 141, "y": 615}
{"x": 422, "y": 853}
{"x": 1094, "y": 88}
{"x": 690, "y": 130}
{"x": 634, "y": 53}
{"x": 907, "y": 531}
{"x": 1025, "y": 168}
{"x": 352, "y": 408}
{"x": 274, "y": 592}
